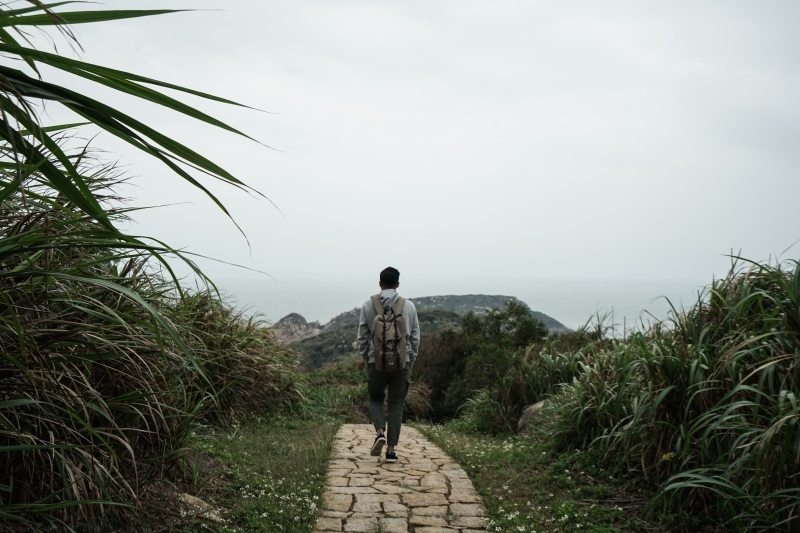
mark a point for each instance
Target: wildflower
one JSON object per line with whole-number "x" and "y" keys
{"x": 667, "y": 456}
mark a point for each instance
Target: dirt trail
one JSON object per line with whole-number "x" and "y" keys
{"x": 424, "y": 492}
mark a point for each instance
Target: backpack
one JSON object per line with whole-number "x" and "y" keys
{"x": 389, "y": 336}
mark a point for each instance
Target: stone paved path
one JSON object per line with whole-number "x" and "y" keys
{"x": 424, "y": 492}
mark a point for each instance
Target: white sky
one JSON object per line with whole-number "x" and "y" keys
{"x": 616, "y": 139}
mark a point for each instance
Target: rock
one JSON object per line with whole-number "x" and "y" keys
{"x": 467, "y": 509}
{"x": 531, "y": 416}
{"x": 294, "y": 328}
{"x": 337, "y": 502}
{"x": 194, "y": 506}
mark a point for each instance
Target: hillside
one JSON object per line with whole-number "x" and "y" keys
{"x": 294, "y": 327}
{"x": 480, "y": 303}
{"x": 335, "y": 341}
{"x": 339, "y": 345}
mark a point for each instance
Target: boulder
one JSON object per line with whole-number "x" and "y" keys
{"x": 294, "y": 328}
{"x": 531, "y": 416}
{"x": 194, "y": 506}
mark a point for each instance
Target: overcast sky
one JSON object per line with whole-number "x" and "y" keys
{"x": 625, "y": 140}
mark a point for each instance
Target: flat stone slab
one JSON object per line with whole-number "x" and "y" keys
{"x": 425, "y": 491}
{"x": 336, "y": 502}
{"x": 423, "y": 499}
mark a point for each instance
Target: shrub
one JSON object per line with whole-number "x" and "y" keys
{"x": 486, "y": 354}
{"x": 442, "y": 358}
{"x": 246, "y": 369}
{"x": 101, "y": 381}
{"x": 106, "y": 366}
{"x": 705, "y": 408}
{"x": 89, "y": 375}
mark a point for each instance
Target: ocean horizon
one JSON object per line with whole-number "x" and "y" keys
{"x": 572, "y": 302}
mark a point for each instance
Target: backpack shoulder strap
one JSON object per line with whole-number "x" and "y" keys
{"x": 398, "y": 305}
{"x": 376, "y": 302}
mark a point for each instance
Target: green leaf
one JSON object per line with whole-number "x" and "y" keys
{"x": 77, "y": 194}
{"x": 51, "y": 129}
{"x": 82, "y": 17}
{"x": 41, "y": 7}
{"x": 58, "y": 61}
{"x": 18, "y": 402}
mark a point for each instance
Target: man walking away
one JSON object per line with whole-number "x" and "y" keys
{"x": 388, "y": 339}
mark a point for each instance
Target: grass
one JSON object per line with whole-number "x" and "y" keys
{"x": 707, "y": 407}
{"x": 107, "y": 366}
{"x": 528, "y": 485}
{"x": 702, "y": 408}
{"x": 105, "y": 371}
{"x": 269, "y": 476}
{"x": 340, "y": 391}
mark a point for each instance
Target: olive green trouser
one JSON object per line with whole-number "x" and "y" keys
{"x": 398, "y": 383}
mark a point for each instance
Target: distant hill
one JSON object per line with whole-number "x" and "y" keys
{"x": 460, "y": 304}
{"x": 480, "y": 303}
{"x": 339, "y": 344}
{"x": 335, "y": 341}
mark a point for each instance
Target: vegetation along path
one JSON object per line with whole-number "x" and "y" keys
{"x": 424, "y": 492}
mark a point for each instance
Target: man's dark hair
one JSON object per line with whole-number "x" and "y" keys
{"x": 390, "y": 277}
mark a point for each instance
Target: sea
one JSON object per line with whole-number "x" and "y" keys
{"x": 573, "y": 302}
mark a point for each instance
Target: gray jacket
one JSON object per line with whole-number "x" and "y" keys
{"x": 368, "y": 314}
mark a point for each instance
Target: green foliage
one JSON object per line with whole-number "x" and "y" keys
{"x": 246, "y": 369}
{"x": 510, "y": 329}
{"x": 105, "y": 368}
{"x": 706, "y": 408}
{"x": 433, "y": 320}
{"x": 106, "y": 364}
{"x": 31, "y": 149}
{"x": 87, "y": 358}
{"x": 479, "y": 304}
{"x": 339, "y": 392}
{"x": 442, "y": 358}
{"x": 703, "y": 406}
{"x": 485, "y": 354}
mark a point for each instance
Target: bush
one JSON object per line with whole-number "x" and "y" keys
{"x": 442, "y": 358}
{"x": 704, "y": 406}
{"x": 106, "y": 366}
{"x": 103, "y": 375}
{"x": 246, "y": 369}
{"x": 486, "y": 354}
{"x": 708, "y": 407}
